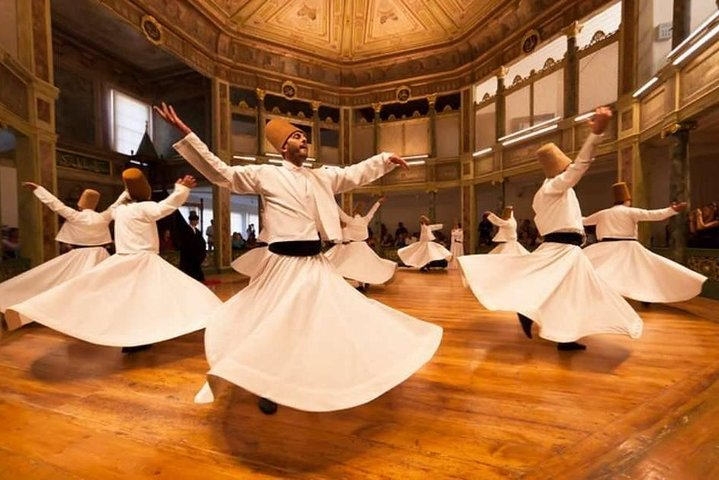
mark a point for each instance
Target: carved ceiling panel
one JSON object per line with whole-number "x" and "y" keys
{"x": 352, "y": 30}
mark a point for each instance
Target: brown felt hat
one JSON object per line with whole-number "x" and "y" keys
{"x": 621, "y": 192}
{"x": 507, "y": 213}
{"x": 89, "y": 199}
{"x": 553, "y": 160}
{"x": 136, "y": 184}
{"x": 278, "y": 131}
{"x": 424, "y": 218}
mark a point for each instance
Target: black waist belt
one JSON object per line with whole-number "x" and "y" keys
{"x": 86, "y": 246}
{"x": 299, "y": 248}
{"x": 614, "y": 239}
{"x": 569, "y": 238}
{"x": 260, "y": 244}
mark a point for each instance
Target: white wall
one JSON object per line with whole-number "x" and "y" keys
{"x": 598, "y": 78}
{"x": 651, "y": 54}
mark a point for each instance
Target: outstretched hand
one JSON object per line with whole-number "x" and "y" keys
{"x": 678, "y": 207}
{"x": 381, "y": 200}
{"x": 398, "y": 161}
{"x": 188, "y": 181}
{"x": 600, "y": 120}
{"x": 168, "y": 114}
{"x": 30, "y": 185}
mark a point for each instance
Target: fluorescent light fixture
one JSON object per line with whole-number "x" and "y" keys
{"x": 645, "y": 87}
{"x": 137, "y": 162}
{"x": 583, "y": 116}
{"x": 525, "y": 130}
{"x": 276, "y": 155}
{"x": 531, "y": 134}
{"x": 416, "y": 162}
{"x": 693, "y": 34}
{"x": 307, "y": 164}
{"x": 711, "y": 33}
{"x": 275, "y": 161}
{"x": 311, "y": 159}
{"x": 415, "y": 157}
{"x": 245, "y": 157}
{"x": 479, "y": 153}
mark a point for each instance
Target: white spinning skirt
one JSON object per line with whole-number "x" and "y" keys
{"x": 48, "y": 275}
{"x": 421, "y": 253}
{"x": 251, "y": 263}
{"x": 127, "y": 300}
{"x": 511, "y": 247}
{"x": 557, "y": 287}
{"x": 357, "y": 261}
{"x": 636, "y": 272}
{"x": 301, "y": 336}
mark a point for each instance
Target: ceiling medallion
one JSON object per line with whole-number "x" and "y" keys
{"x": 289, "y": 89}
{"x": 530, "y": 41}
{"x": 152, "y": 29}
{"x": 403, "y": 93}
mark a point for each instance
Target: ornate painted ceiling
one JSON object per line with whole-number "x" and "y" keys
{"x": 352, "y": 30}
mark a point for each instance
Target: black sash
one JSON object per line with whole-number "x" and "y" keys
{"x": 86, "y": 246}
{"x": 614, "y": 239}
{"x": 569, "y": 238}
{"x": 297, "y": 248}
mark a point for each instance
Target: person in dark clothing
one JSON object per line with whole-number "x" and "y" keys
{"x": 193, "y": 249}
{"x": 485, "y": 230}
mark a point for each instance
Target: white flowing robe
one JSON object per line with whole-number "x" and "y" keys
{"x": 299, "y": 334}
{"x": 556, "y": 285}
{"x": 506, "y": 236}
{"x": 632, "y": 270}
{"x": 426, "y": 250}
{"x": 133, "y": 298}
{"x": 456, "y": 248}
{"x": 353, "y": 258}
{"x": 86, "y": 228}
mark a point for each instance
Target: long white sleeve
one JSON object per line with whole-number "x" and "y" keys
{"x": 158, "y": 210}
{"x": 54, "y": 204}
{"x": 372, "y": 211}
{"x": 574, "y": 172}
{"x": 656, "y": 215}
{"x": 348, "y": 178}
{"x": 500, "y": 222}
{"x": 238, "y": 179}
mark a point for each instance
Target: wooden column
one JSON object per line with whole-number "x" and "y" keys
{"x": 679, "y": 187}
{"x": 345, "y": 146}
{"x": 377, "y": 119}
{"x": 681, "y": 21}
{"x": 316, "y": 129}
{"x": 571, "y": 71}
{"x": 628, "y": 47}
{"x": 500, "y": 103}
{"x": 432, "y": 99}
{"x": 260, "y": 121}
{"x": 221, "y": 196}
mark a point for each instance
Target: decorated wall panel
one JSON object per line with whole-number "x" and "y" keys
{"x": 447, "y": 135}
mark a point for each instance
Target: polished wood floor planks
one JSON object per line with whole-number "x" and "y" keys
{"x": 490, "y": 404}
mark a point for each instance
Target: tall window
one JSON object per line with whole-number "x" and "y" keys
{"x": 130, "y": 117}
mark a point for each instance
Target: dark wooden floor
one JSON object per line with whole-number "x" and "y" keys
{"x": 491, "y": 404}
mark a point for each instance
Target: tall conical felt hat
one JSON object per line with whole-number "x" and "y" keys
{"x": 89, "y": 199}
{"x": 136, "y": 184}
{"x": 621, "y": 192}
{"x": 553, "y": 160}
{"x": 278, "y": 131}
{"x": 507, "y": 212}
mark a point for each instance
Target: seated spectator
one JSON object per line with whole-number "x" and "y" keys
{"x": 704, "y": 227}
{"x": 388, "y": 240}
{"x": 11, "y": 243}
{"x": 166, "y": 243}
{"x": 238, "y": 242}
